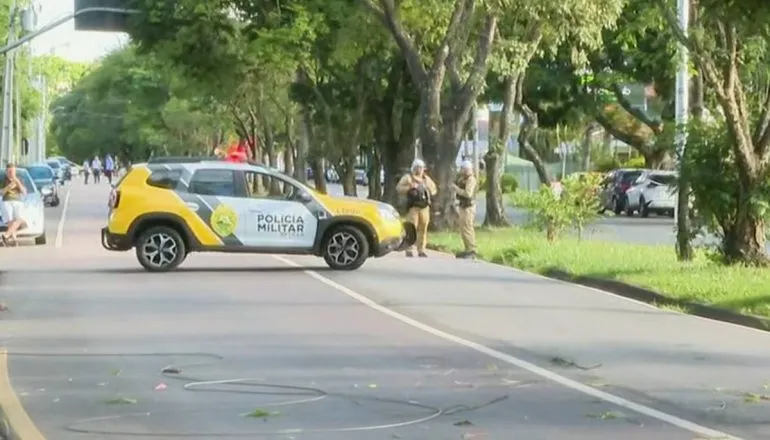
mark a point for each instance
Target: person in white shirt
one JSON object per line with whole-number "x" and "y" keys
{"x": 96, "y": 168}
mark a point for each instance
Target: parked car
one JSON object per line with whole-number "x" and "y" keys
{"x": 332, "y": 176}
{"x": 361, "y": 177}
{"x": 653, "y": 192}
{"x": 66, "y": 166}
{"x": 57, "y": 168}
{"x": 46, "y": 181}
{"x": 614, "y": 187}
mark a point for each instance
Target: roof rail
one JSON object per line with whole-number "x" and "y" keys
{"x": 182, "y": 159}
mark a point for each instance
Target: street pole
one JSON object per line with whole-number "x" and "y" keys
{"x": 682, "y": 110}
{"x": 6, "y": 135}
{"x": 19, "y": 129}
{"x": 41, "y": 129}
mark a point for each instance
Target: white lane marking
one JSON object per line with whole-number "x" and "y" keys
{"x": 60, "y": 228}
{"x": 524, "y": 365}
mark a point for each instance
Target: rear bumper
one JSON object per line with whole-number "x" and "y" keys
{"x": 115, "y": 242}
{"x": 407, "y": 238}
{"x": 661, "y": 205}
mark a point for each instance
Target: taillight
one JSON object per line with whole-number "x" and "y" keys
{"x": 114, "y": 199}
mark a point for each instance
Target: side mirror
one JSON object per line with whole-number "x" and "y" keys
{"x": 652, "y": 185}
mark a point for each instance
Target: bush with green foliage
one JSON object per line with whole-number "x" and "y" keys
{"x": 508, "y": 182}
{"x": 576, "y": 205}
{"x": 714, "y": 182}
{"x": 634, "y": 162}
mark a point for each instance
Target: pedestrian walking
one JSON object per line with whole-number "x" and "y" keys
{"x": 13, "y": 205}
{"x": 96, "y": 168}
{"x": 86, "y": 171}
{"x": 465, "y": 188}
{"x": 419, "y": 190}
{"x": 109, "y": 168}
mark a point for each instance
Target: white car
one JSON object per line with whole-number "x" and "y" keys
{"x": 653, "y": 192}
{"x": 34, "y": 209}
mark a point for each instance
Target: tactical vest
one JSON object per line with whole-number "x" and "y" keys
{"x": 465, "y": 202}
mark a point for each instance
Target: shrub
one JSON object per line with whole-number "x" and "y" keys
{"x": 634, "y": 162}
{"x": 576, "y": 206}
{"x": 509, "y": 183}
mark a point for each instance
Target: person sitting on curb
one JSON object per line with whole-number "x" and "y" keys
{"x": 419, "y": 190}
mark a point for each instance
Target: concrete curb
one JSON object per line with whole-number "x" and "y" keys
{"x": 655, "y": 298}
{"x": 650, "y": 297}
{"x": 15, "y": 423}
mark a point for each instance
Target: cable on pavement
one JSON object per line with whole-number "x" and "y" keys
{"x": 295, "y": 395}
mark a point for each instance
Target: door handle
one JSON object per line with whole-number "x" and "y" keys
{"x": 193, "y": 206}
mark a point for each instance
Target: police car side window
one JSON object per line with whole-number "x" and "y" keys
{"x": 213, "y": 183}
{"x": 166, "y": 179}
{"x": 264, "y": 186}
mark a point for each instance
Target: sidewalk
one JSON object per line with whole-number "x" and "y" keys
{"x": 704, "y": 371}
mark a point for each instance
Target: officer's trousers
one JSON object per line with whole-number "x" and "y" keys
{"x": 467, "y": 222}
{"x": 420, "y": 217}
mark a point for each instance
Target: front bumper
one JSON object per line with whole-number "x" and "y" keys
{"x": 115, "y": 242}
{"x": 661, "y": 205}
{"x": 408, "y": 238}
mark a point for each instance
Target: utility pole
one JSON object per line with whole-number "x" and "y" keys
{"x": 6, "y": 137}
{"x": 683, "y": 244}
{"x": 17, "y": 153}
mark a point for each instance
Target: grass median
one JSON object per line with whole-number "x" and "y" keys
{"x": 743, "y": 289}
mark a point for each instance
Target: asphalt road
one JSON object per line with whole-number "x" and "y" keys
{"x": 373, "y": 354}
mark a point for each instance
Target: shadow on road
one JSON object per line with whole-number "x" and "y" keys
{"x": 271, "y": 269}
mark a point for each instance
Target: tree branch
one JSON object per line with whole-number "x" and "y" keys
{"x": 478, "y": 71}
{"x": 634, "y": 141}
{"x": 655, "y": 126}
{"x": 457, "y": 43}
{"x": 388, "y": 16}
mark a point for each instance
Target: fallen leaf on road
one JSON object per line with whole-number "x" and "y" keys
{"x": 463, "y": 423}
{"x": 69, "y": 380}
{"x": 464, "y": 384}
{"x": 372, "y": 385}
{"x": 121, "y": 401}
{"x": 754, "y": 398}
{"x": 115, "y": 372}
{"x": 609, "y": 415}
{"x": 171, "y": 370}
{"x": 160, "y": 387}
{"x": 468, "y": 435}
{"x": 261, "y": 414}
{"x": 492, "y": 367}
{"x": 101, "y": 384}
{"x": 56, "y": 400}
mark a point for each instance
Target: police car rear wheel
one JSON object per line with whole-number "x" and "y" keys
{"x": 345, "y": 248}
{"x": 160, "y": 249}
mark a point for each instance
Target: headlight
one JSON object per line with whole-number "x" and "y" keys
{"x": 388, "y": 212}
{"x": 47, "y": 191}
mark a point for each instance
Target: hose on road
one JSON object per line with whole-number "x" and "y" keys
{"x": 295, "y": 395}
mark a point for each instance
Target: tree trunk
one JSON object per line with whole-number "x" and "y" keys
{"x": 526, "y": 133}
{"x": 305, "y": 140}
{"x": 275, "y": 184}
{"x": 495, "y": 212}
{"x": 654, "y": 159}
{"x": 744, "y": 242}
{"x": 375, "y": 183}
{"x": 318, "y": 176}
{"x": 348, "y": 177}
{"x": 288, "y": 159}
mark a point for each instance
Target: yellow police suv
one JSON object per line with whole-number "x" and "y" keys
{"x": 169, "y": 207}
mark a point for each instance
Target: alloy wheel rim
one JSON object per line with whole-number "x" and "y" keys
{"x": 343, "y": 248}
{"x": 160, "y": 250}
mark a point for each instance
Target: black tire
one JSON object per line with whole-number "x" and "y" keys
{"x": 55, "y": 202}
{"x": 629, "y": 210}
{"x": 41, "y": 240}
{"x": 644, "y": 211}
{"x": 617, "y": 206}
{"x": 347, "y": 242}
{"x": 171, "y": 249}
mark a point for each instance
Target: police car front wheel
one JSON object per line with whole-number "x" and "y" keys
{"x": 345, "y": 248}
{"x": 160, "y": 249}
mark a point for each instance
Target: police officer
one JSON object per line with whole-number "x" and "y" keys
{"x": 419, "y": 190}
{"x": 465, "y": 188}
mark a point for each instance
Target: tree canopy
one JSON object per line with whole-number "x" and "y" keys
{"x": 371, "y": 84}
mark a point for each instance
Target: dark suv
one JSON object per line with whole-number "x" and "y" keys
{"x": 614, "y": 187}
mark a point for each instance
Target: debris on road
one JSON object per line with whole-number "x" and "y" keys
{"x": 170, "y": 370}
{"x": 3, "y": 307}
{"x": 160, "y": 387}
{"x": 121, "y": 401}
{"x": 567, "y": 363}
